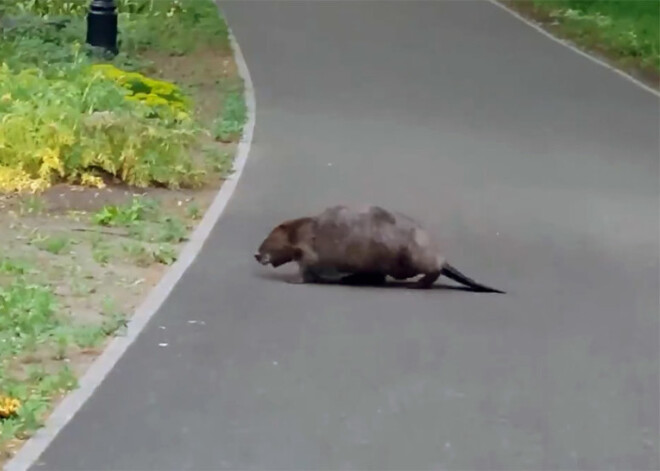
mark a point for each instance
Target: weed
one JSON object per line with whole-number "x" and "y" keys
{"x": 145, "y": 256}
{"x": 28, "y": 316}
{"x": 79, "y": 282}
{"x": 53, "y": 244}
{"x": 14, "y": 266}
{"x": 165, "y": 254}
{"x": 35, "y": 372}
{"x": 114, "y": 319}
{"x": 31, "y": 204}
{"x": 139, "y": 209}
{"x": 218, "y": 161}
{"x": 137, "y": 252}
{"x": 63, "y": 380}
{"x": 230, "y": 84}
{"x": 81, "y": 288}
{"x": 172, "y": 229}
{"x": 100, "y": 250}
{"x": 88, "y": 336}
{"x": 193, "y": 211}
{"x": 135, "y": 215}
{"x": 114, "y": 324}
{"x": 61, "y": 339}
{"x": 229, "y": 126}
{"x": 108, "y": 306}
{"x": 125, "y": 215}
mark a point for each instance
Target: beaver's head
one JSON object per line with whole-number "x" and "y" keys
{"x": 277, "y": 249}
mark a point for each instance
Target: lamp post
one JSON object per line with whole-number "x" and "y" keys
{"x": 102, "y": 25}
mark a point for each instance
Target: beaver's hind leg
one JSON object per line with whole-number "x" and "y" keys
{"x": 427, "y": 280}
{"x": 367, "y": 279}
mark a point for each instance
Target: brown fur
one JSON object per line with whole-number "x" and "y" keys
{"x": 362, "y": 245}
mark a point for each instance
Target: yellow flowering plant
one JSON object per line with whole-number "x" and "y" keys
{"x": 154, "y": 93}
{"x": 9, "y": 406}
{"x": 69, "y": 128}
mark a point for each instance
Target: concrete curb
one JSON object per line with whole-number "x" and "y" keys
{"x": 64, "y": 412}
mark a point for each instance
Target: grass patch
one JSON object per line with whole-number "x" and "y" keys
{"x": 33, "y": 323}
{"x": 626, "y": 31}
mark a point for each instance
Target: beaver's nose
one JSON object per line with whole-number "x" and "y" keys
{"x": 257, "y": 256}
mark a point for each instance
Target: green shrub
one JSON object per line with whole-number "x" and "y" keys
{"x": 70, "y": 127}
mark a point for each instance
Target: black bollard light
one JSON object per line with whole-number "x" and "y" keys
{"x": 102, "y": 25}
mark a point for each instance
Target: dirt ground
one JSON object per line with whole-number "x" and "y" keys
{"x": 98, "y": 272}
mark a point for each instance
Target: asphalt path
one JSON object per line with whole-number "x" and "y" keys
{"x": 537, "y": 168}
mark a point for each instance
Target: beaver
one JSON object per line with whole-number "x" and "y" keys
{"x": 361, "y": 245}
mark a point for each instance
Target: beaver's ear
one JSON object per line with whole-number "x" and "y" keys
{"x": 297, "y": 253}
{"x": 284, "y": 229}
{"x": 286, "y": 224}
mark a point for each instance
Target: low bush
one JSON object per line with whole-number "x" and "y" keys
{"x": 80, "y": 125}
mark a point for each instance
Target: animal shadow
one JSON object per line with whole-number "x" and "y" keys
{"x": 293, "y": 278}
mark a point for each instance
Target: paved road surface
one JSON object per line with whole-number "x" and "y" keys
{"x": 537, "y": 167}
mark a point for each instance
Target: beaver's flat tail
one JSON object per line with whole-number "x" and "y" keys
{"x": 452, "y": 272}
